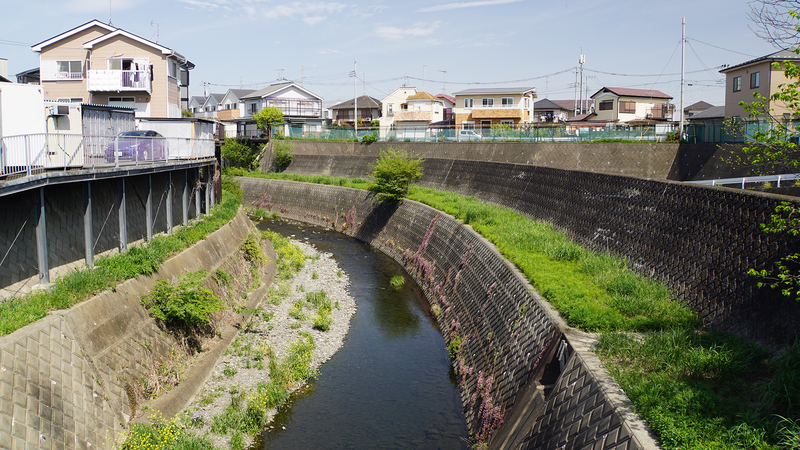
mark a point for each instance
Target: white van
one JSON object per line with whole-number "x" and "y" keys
{"x": 468, "y": 135}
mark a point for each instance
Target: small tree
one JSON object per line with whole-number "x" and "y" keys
{"x": 186, "y": 113}
{"x": 238, "y": 153}
{"x": 394, "y": 171}
{"x": 283, "y": 155}
{"x": 268, "y": 117}
{"x": 786, "y": 273}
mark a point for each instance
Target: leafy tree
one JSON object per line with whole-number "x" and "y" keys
{"x": 369, "y": 138}
{"x": 268, "y": 117}
{"x": 238, "y": 153}
{"x": 394, "y": 171}
{"x": 186, "y": 113}
{"x": 773, "y": 21}
{"x": 786, "y": 274}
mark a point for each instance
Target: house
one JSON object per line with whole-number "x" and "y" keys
{"x": 557, "y": 111}
{"x": 369, "y": 109}
{"x": 195, "y": 105}
{"x": 30, "y": 76}
{"x": 708, "y": 126}
{"x": 695, "y": 108}
{"x": 416, "y": 114}
{"x": 100, "y": 64}
{"x": 302, "y": 109}
{"x": 756, "y": 76}
{"x": 210, "y": 106}
{"x": 484, "y": 107}
{"x": 632, "y": 105}
{"x": 231, "y": 105}
{"x": 390, "y": 104}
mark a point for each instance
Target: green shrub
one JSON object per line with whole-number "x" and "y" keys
{"x": 184, "y": 305}
{"x": 454, "y": 347}
{"x": 290, "y": 257}
{"x": 397, "y": 281}
{"x": 283, "y": 155}
{"x": 239, "y": 153}
{"x": 370, "y": 138}
{"x": 251, "y": 246}
{"x": 394, "y": 171}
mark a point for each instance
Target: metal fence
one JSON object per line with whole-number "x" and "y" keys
{"x": 34, "y": 153}
{"x": 740, "y": 131}
{"x": 527, "y": 133}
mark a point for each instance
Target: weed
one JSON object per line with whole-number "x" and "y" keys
{"x": 397, "y": 281}
{"x": 339, "y": 273}
{"x": 290, "y": 257}
{"x": 314, "y": 275}
{"x": 296, "y": 311}
{"x": 184, "y": 305}
{"x": 229, "y": 371}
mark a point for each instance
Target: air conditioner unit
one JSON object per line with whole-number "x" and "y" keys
{"x": 59, "y": 110}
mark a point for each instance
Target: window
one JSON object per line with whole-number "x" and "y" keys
{"x": 122, "y": 99}
{"x": 754, "y": 80}
{"x": 628, "y": 107}
{"x": 508, "y": 122}
{"x": 172, "y": 66}
{"x": 253, "y": 108}
{"x": 507, "y": 101}
{"x": 487, "y": 102}
{"x": 70, "y": 70}
{"x": 468, "y": 103}
{"x": 527, "y": 103}
{"x": 606, "y": 105}
{"x": 468, "y": 125}
{"x": 737, "y": 84}
{"x": 390, "y": 109}
{"x": 72, "y": 100}
{"x": 120, "y": 64}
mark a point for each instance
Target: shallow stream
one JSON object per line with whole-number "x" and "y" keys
{"x": 390, "y": 386}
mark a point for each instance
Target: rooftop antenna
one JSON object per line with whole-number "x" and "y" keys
{"x": 158, "y": 28}
{"x": 280, "y": 74}
{"x": 444, "y": 81}
{"x": 109, "y": 13}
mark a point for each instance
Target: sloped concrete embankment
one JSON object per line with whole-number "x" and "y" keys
{"x": 507, "y": 332}
{"x": 63, "y": 379}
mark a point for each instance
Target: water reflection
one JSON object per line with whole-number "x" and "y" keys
{"x": 390, "y": 386}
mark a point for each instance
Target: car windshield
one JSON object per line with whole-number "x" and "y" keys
{"x": 134, "y": 133}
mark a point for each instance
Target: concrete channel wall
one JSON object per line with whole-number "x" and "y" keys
{"x": 63, "y": 378}
{"x": 699, "y": 240}
{"x": 507, "y": 332}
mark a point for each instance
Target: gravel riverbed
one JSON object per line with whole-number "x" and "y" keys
{"x": 244, "y": 364}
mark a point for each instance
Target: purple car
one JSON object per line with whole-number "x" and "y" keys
{"x": 137, "y": 145}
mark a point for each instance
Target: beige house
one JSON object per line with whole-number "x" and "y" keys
{"x": 392, "y": 103}
{"x": 484, "y": 107}
{"x": 756, "y": 76}
{"x": 632, "y": 105}
{"x": 100, "y": 64}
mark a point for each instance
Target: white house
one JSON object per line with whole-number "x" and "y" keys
{"x": 302, "y": 109}
{"x": 391, "y": 104}
{"x": 632, "y": 105}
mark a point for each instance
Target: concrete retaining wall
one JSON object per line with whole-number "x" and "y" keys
{"x": 62, "y": 379}
{"x": 507, "y": 332}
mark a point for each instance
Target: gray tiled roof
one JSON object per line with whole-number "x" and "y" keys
{"x": 715, "y": 112}
{"x": 780, "y": 55}
{"x": 364, "y": 101}
{"x": 267, "y": 90}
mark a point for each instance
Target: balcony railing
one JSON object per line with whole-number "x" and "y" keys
{"x": 661, "y": 112}
{"x": 119, "y": 80}
{"x": 35, "y": 153}
{"x": 69, "y": 75}
{"x": 400, "y": 116}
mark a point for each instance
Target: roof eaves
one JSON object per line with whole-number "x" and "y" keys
{"x": 38, "y": 47}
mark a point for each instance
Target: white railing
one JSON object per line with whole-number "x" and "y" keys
{"x": 495, "y": 106}
{"x": 69, "y": 75}
{"x": 744, "y": 181}
{"x": 34, "y": 153}
{"x": 118, "y": 80}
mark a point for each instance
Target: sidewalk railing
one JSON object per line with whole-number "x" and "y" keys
{"x": 35, "y": 153}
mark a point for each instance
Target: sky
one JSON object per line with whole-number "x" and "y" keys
{"x": 435, "y": 45}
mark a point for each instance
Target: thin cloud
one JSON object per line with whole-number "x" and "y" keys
{"x": 448, "y": 6}
{"x": 201, "y": 4}
{"x": 416, "y": 31}
{"x": 313, "y": 20}
{"x": 328, "y": 51}
{"x": 303, "y": 9}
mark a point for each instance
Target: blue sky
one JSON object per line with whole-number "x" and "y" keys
{"x": 492, "y": 42}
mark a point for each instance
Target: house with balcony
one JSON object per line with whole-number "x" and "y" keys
{"x": 557, "y": 111}
{"x": 196, "y": 105}
{"x": 483, "y": 108}
{"x": 302, "y": 109}
{"x": 231, "y": 106}
{"x": 210, "y": 106}
{"x": 100, "y": 64}
{"x": 626, "y": 105}
{"x": 416, "y": 114}
{"x": 369, "y": 109}
{"x": 757, "y": 76}
{"x": 391, "y": 104}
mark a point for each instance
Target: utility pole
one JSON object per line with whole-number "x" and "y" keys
{"x": 355, "y": 100}
{"x": 581, "y": 60}
{"x": 683, "y": 73}
{"x": 576, "y": 91}
{"x": 444, "y": 81}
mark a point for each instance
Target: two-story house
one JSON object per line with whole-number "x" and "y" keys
{"x": 416, "y": 113}
{"x": 391, "y": 104}
{"x": 756, "y": 76}
{"x": 483, "y": 107}
{"x": 101, "y": 64}
{"x": 195, "y": 105}
{"x": 232, "y": 106}
{"x": 210, "y": 106}
{"x": 302, "y": 109}
{"x": 369, "y": 109}
{"x": 632, "y": 105}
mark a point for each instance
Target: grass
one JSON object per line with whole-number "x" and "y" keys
{"x": 109, "y": 271}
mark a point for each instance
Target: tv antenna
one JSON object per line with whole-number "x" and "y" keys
{"x": 444, "y": 81}
{"x": 158, "y": 28}
{"x": 280, "y": 74}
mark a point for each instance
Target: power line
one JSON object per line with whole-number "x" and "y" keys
{"x": 721, "y": 48}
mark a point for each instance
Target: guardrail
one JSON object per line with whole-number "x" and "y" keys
{"x": 743, "y": 181}
{"x": 35, "y": 153}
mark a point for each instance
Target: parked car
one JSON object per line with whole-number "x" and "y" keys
{"x": 137, "y": 145}
{"x": 468, "y": 135}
